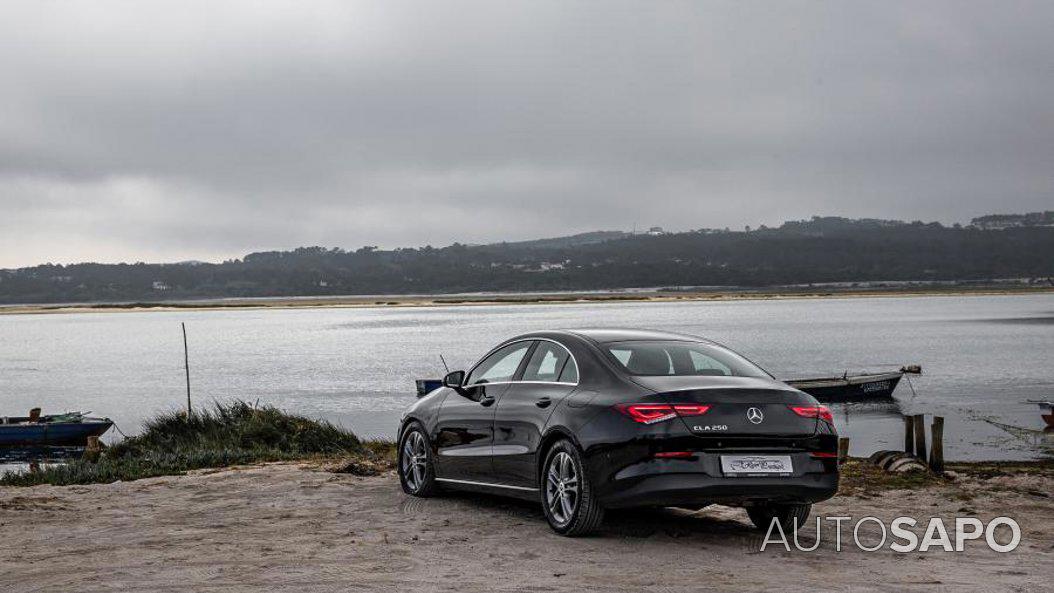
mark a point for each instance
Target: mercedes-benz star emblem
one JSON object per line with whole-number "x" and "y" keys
{"x": 755, "y": 416}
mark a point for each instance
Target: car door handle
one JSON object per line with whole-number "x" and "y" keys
{"x": 543, "y": 402}
{"x": 486, "y": 400}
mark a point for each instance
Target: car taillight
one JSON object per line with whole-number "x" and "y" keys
{"x": 647, "y": 413}
{"x": 675, "y": 455}
{"x": 821, "y": 412}
{"x": 653, "y": 413}
{"x": 690, "y": 409}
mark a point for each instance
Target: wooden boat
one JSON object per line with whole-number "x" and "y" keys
{"x": 71, "y": 428}
{"x": 1046, "y": 411}
{"x": 850, "y": 387}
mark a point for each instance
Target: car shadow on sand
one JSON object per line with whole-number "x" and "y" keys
{"x": 714, "y": 523}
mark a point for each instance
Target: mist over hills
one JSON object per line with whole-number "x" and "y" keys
{"x": 819, "y": 250}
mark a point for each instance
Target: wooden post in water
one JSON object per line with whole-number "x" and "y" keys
{"x": 843, "y": 450}
{"x": 920, "y": 436}
{"x": 909, "y": 435}
{"x": 937, "y": 450}
{"x": 186, "y": 365}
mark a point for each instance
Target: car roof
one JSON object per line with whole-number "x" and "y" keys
{"x": 605, "y": 335}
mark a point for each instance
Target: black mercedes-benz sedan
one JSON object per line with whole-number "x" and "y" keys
{"x": 588, "y": 420}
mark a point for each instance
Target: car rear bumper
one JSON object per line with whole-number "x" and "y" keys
{"x": 696, "y": 482}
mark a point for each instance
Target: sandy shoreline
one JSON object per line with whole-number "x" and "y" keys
{"x": 374, "y": 301}
{"x": 289, "y": 527}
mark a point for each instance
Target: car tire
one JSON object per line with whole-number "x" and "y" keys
{"x": 571, "y": 509}
{"x": 415, "y": 463}
{"x": 787, "y": 514}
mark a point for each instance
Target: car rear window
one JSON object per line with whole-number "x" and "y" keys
{"x": 681, "y": 359}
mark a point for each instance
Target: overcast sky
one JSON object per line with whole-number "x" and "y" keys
{"x": 149, "y": 131}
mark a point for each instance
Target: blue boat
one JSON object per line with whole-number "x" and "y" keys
{"x": 72, "y": 428}
{"x": 426, "y": 386}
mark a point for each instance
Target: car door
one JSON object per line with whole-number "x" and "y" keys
{"x": 521, "y": 414}
{"x": 465, "y": 425}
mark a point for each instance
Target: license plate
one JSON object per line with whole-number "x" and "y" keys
{"x": 756, "y": 465}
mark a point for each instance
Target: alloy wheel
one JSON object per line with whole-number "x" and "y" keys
{"x": 415, "y": 460}
{"x": 562, "y": 488}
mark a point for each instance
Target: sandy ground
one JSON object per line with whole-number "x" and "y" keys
{"x": 286, "y": 527}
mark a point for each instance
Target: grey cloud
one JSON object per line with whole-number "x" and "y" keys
{"x": 166, "y": 131}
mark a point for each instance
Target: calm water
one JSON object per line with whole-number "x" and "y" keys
{"x": 982, "y": 358}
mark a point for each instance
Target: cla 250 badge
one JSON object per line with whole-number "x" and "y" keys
{"x": 710, "y": 428}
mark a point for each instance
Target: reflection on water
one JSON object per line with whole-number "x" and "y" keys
{"x": 1041, "y": 320}
{"x": 873, "y": 426}
{"x": 357, "y": 366}
{"x": 879, "y": 425}
{"x": 19, "y": 459}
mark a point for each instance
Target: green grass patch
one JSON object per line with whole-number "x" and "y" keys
{"x": 858, "y": 477}
{"x": 992, "y": 469}
{"x": 227, "y": 434}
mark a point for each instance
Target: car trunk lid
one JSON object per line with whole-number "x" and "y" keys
{"x": 738, "y": 408}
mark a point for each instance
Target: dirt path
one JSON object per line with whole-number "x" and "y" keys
{"x": 292, "y": 528}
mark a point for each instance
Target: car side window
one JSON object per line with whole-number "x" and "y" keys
{"x": 499, "y": 366}
{"x": 570, "y": 372}
{"x": 546, "y": 363}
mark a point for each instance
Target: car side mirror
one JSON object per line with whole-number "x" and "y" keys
{"x": 454, "y": 380}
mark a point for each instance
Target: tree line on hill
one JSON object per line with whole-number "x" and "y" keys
{"x": 820, "y": 250}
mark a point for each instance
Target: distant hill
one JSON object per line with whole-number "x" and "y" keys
{"x": 818, "y": 250}
{"x": 1004, "y": 221}
{"x": 570, "y": 241}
